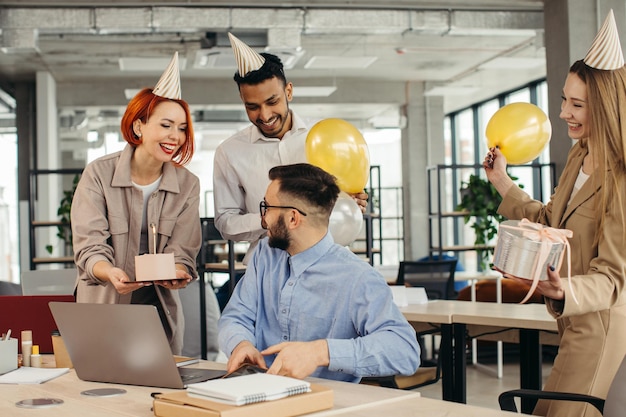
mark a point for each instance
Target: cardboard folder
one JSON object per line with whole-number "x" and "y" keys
{"x": 179, "y": 404}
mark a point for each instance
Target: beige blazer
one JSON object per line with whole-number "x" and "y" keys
{"x": 106, "y": 225}
{"x": 593, "y": 331}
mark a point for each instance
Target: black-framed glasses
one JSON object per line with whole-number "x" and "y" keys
{"x": 263, "y": 206}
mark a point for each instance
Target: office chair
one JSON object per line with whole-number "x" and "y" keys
{"x": 613, "y": 406}
{"x": 49, "y": 281}
{"x": 437, "y": 278}
{"x": 207, "y": 262}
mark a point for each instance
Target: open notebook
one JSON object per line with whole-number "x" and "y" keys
{"x": 248, "y": 389}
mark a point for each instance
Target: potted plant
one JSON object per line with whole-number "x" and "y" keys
{"x": 64, "y": 231}
{"x": 480, "y": 201}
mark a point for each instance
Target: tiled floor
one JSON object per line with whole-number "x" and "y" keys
{"x": 483, "y": 386}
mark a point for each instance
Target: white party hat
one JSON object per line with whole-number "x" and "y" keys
{"x": 169, "y": 83}
{"x": 247, "y": 59}
{"x": 606, "y": 52}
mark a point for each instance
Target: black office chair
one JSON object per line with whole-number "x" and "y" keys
{"x": 613, "y": 406}
{"x": 207, "y": 262}
{"x": 436, "y": 276}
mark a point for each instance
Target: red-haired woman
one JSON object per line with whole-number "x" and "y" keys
{"x": 121, "y": 198}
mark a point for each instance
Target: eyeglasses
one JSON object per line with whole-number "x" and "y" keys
{"x": 263, "y": 207}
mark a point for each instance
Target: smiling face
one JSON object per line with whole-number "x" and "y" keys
{"x": 575, "y": 107}
{"x": 164, "y": 132}
{"x": 267, "y": 106}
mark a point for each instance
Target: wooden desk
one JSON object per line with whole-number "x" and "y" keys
{"x": 517, "y": 323}
{"x": 350, "y": 400}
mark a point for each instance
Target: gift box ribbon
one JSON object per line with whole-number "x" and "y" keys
{"x": 546, "y": 236}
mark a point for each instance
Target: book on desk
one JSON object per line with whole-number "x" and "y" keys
{"x": 181, "y": 404}
{"x": 248, "y": 389}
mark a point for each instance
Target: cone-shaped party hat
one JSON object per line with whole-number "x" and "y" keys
{"x": 606, "y": 52}
{"x": 247, "y": 59}
{"x": 169, "y": 83}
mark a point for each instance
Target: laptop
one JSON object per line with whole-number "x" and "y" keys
{"x": 46, "y": 282}
{"x": 122, "y": 344}
{"x": 30, "y": 312}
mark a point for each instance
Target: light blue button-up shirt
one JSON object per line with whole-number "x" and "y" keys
{"x": 325, "y": 292}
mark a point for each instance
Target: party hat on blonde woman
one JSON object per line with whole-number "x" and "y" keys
{"x": 606, "y": 52}
{"x": 247, "y": 59}
{"x": 169, "y": 84}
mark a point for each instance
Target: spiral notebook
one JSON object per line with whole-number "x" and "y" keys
{"x": 248, "y": 389}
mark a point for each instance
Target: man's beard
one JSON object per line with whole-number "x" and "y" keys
{"x": 279, "y": 237}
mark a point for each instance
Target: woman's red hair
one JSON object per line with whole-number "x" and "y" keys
{"x": 141, "y": 107}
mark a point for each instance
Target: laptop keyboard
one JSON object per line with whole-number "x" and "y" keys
{"x": 196, "y": 374}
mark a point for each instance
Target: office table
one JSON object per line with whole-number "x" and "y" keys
{"x": 351, "y": 400}
{"x": 508, "y": 322}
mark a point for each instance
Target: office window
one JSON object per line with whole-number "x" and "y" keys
{"x": 9, "y": 260}
{"x": 465, "y": 136}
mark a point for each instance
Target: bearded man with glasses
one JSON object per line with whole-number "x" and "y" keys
{"x": 306, "y": 305}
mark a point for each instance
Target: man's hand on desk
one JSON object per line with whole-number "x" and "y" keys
{"x": 245, "y": 352}
{"x": 298, "y": 359}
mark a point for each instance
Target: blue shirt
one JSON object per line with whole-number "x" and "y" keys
{"x": 325, "y": 292}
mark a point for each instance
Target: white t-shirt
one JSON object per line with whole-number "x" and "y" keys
{"x": 147, "y": 191}
{"x": 580, "y": 181}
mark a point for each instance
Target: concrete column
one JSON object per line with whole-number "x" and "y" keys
{"x": 25, "y": 114}
{"x": 47, "y": 157}
{"x": 422, "y": 146}
{"x": 570, "y": 26}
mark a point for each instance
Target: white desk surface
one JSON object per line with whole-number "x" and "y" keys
{"x": 350, "y": 400}
{"x": 524, "y": 316}
{"x": 476, "y": 275}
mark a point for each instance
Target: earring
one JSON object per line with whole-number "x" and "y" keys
{"x": 138, "y": 135}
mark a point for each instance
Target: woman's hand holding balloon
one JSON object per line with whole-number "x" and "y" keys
{"x": 361, "y": 200}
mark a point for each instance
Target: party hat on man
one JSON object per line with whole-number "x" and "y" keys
{"x": 606, "y": 52}
{"x": 169, "y": 84}
{"x": 247, "y": 59}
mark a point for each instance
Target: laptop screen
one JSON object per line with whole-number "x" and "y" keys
{"x": 119, "y": 343}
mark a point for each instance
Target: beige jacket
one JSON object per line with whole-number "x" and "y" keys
{"x": 106, "y": 221}
{"x": 593, "y": 332}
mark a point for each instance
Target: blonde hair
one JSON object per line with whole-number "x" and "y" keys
{"x": 606, "y": 97}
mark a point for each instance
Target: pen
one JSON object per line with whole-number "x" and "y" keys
{"x": 8, "y": 335}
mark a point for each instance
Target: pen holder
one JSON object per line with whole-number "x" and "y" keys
{"x": 61, "y": 357}
{"x": 8, "y": 355}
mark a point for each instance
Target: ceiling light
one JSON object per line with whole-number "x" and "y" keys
{"x": 451, "y": 91}
{"x": 340, "y": 62}
{"x": 223, "y": 58}
{"x": 313, "y": 91}
{"x": 131, "y": 92}
{"x": 512, "y": 63}
{"x": 149, "y": 64}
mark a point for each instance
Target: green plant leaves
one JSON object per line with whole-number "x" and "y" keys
{"x": 480, "y": 199}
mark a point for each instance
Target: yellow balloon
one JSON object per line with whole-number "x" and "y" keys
{"x": 520, "y": 130}
{"x": 338, "y": 148}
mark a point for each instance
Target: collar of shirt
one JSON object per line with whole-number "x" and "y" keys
{"x": 300, "y": 262}
{"x": 122, "y": 177}
{"x": 297, "y": 126}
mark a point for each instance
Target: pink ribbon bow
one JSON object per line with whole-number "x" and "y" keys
{"x": 547, "y": 236}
